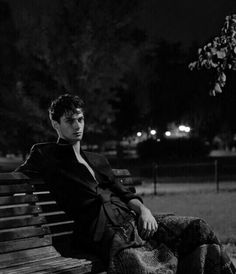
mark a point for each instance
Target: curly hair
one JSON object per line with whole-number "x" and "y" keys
{"x": 65, "y": 104}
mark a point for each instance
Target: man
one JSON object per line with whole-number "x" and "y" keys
{"x": 110, "y": 219}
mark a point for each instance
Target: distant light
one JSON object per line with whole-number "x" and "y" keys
{"x": 167, "y": 133}
{"x": 182, "y": 128}
{"x": 187, "y": 129}
{"x": 153, "y": 132}
{"x": 139, "y": 134}
{"x": 158, "y": 140}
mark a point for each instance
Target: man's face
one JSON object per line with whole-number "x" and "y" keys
{"x": 71, "y": 126}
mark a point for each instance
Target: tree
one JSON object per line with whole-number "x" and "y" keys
{"x": 83, "y": 48}
{"x": 215, "y": 60}
{"x": 219, "y": 55}
{"x": 8, "y": 67}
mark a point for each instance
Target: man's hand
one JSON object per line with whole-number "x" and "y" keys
{"x": 147, "y": 224}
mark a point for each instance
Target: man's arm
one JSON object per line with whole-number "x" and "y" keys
{"x": 123, "y": 192}
{"x": 147, "y": 224}
{"x": 33, "y": 164}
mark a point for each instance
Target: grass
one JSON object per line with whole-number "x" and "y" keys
{"x": 217, "y": 209}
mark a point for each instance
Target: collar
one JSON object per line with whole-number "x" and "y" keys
{"x": 91, "y": 160}
{"x": 62, "y": 141}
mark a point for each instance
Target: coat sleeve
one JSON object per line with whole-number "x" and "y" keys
{"x": 33, "y": 165}
{"x": 123, "y": 192}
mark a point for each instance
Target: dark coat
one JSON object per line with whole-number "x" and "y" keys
{"x": 89, "y": 203}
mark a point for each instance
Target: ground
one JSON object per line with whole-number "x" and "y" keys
{"x": 200, "y": 200}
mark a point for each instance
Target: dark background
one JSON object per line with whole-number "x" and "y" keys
{"x": 127, "y": 59}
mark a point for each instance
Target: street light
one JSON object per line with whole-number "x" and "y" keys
{"x": 187, "y": 129}
{"x": 139, "y": 133}
{"x": 182, "y": 128}
{"x": 167, "y": 133}
{"x": 153, "y": 132}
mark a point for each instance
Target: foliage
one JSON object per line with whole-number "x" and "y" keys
{"x": 22, "y": 121}
{"x": 22, "y": 117}
{"x": 219, "y": 54}
{"x": 83, "y": 47}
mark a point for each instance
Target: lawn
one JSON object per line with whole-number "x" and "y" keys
{"x": 219, "y": 210}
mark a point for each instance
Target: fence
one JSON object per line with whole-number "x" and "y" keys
{"x": 215, "y": 171}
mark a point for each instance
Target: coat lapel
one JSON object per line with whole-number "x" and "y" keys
{"x": 97, "y": 161}
{"x": 99, "y": 164}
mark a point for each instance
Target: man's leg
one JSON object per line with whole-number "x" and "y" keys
{"x": 194, "y": 243}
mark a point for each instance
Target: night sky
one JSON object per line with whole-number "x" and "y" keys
{"x": 174, "y": 20}
{"x": 186, "y": 20}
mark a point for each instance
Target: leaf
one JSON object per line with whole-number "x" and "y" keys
{"x": 217, "y": 88}
{"x": 214, "y": 65}
{"x": 221, "y": 54}
{"x": 222, "y": 77}
{"x": 192, "y": 65}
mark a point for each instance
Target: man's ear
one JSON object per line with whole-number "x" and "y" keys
{"x": 55, "y": 124}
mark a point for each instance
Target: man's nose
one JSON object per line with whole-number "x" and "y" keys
{"x": 76, "y": 125}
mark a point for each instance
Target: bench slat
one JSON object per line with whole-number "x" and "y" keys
{"x": 16, "y": 188}
{"x": 60, "y": 234}
{"x": 19, "y": 199}
{"x": 65, "y": 265}
{"x": 50, "y": 207}
{"x": 29, "y": 255}
{"x": 20, "y": 210}
{"x": 125, "y": 181}
{"x": 23, "y": 221}
{"x": 54, "y": 265}
{"x": 61, "y": 229}
{"x": 22, "y": 233}
{"x": 28, "y": 243}
{"x": 121, "y": 172}
{"x": 13, "y": 177}
{"x": 44, "y": 197}
{"x": 57, "y": 218}
{"x": 41, "y": 187}
{"x": 37, "y": 181}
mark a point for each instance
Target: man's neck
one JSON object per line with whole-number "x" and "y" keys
{"x": 64, "y": 141}
{"x": 76, "y": 147}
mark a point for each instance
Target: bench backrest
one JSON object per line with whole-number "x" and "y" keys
{"x": 23, "y": 233}
{"x": 30, "y": 219}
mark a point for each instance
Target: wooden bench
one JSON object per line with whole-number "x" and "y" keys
{"x": 33, "y": 228}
